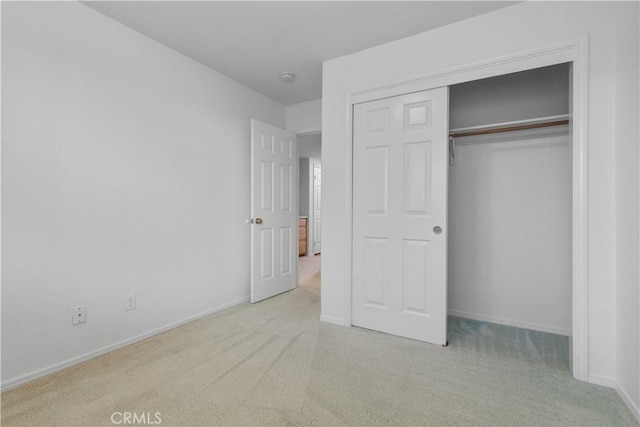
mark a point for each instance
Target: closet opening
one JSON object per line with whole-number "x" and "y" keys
{"x": 510, "y": 252}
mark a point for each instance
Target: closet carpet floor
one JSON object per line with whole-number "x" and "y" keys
{"x": 274, "y": 363}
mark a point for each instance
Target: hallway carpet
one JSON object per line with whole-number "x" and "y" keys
{"x": 274, "y": 363}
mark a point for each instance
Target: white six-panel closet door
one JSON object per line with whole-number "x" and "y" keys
{"x": 400, "y": 163}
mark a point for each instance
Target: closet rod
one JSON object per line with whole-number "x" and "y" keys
{"x": 510, "y": 127}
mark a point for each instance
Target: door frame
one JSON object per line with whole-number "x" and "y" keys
{"x": 574, "y": 52}
{"x": 312, "y": 204}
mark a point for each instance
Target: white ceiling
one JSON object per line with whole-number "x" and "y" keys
{"x": 254, "y": 41}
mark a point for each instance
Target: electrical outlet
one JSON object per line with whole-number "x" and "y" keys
{"x": 78, "y": 315}
{"x": 130, "y": 302}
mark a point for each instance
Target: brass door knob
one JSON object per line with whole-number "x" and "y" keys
{"x": 258, "y": 221}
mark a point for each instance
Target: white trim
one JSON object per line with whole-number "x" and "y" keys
{"x": 349, "y": 212}
{"x": 633, "y": 407}
{"x": 536, "y": 58}
{"x": 602, "y": 380}
{"x": 15, "y": 382}
{"x": 575, "y": 51}
{"x": 310, "y": 213}
{"x": 333, "y": 320}
{"x": 580, "y": 220}
{"x": 516, "y": 324}
{"x": 311, "y": 222}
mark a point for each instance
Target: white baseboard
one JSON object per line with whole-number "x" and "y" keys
{"x": 18, "y": 381}
{"x": 601, "y": 380}
{"x": 627, "y": 400}
{"x": 508, "y": 322}
{"x": 332, "y": 320}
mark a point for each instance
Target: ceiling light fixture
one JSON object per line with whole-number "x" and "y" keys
{"x": 287, "y": 77}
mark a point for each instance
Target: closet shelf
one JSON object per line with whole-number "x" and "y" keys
{"x": 541, "y": 122}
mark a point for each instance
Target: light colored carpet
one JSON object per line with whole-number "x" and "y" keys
{"x": 274, "y": 363}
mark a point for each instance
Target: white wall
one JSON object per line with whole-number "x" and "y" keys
{"x": 515, "y": 29}
{"x": 517, "y": 96}
{"x": 510, "y": 256}
{"x": 627, "y": 210}
{"x": 310, "y": 145}
{"x": 510, "y": 234}
{"x": 304, "y": 117}
{"x": 125, "y": 169}
{"x": 303, "y": 187}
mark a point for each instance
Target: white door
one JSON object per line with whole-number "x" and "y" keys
{"x": 317, "y": 204}
{"x": 400, "y": 166}
{"x": 274, "y": 210}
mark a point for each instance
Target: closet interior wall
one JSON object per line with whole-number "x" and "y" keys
{"x": 510, "y": 211}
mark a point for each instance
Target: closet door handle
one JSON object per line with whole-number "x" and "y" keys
{"x": 437, "y": 229}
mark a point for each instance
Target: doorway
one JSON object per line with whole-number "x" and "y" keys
{"x": 510, "y": 207}
{"x": 572, "y": 52}
{"x": 310, "y": 210}
{"x": 509, "y": 225}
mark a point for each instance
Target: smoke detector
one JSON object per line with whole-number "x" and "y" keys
{"x": 287, "y": 77}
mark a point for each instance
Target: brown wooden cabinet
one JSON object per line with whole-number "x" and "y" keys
{"x": 302, "y": 236}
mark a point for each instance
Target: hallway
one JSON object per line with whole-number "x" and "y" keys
{"x": 309, "y": 273}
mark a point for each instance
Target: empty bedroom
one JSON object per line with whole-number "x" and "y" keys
{"x": 320, "y": 213}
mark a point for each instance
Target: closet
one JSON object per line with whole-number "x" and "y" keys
{"x": 510, "y": 200}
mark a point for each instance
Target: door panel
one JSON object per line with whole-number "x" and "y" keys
{"x": 376, "y": 271}
{"x": 285, "y": 250}
{"x": 417, "y": 180}
{"x": 399, "y": 200}
{"x": 274, "y": 192}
